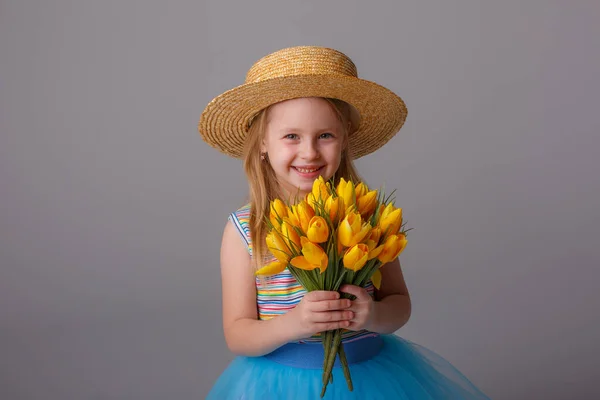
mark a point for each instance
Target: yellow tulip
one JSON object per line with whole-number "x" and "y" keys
{"x": 292, "y": 218}
{"x": 334, "y": 206}
{"x": 376, "y": 279}
{"x": 277, "y": 213}
{"x": 352, "y": 230}
{"x": 318, "y": 231}
{"x": 375, "y": 234}
{"x": 272, "y": 268}
{"x": 341, "y": 185}
{"x": 356, "y": 257}
{"x": 277, "y": 246}
{"x": 320, "y": 189}
{"x": 385, "y": 210}
{"x": 391, "y": 222}
{"x": 374, "y": 250}
{"x": 310, "y": 199}
{"x": 314, "y": 253}
{"x": 312, "y": 257}
{"x": 361, "y": 189}
{"x": 290, "y": 236}
{"x": 302, "y": 214}
{"x": 366, "y": 204}
{"x": 392, "y": 247}
{"x": 274, "y": 221}
{"x": 346, "y": 191}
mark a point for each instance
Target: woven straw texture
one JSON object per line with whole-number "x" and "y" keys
{"x": 304, "y": 71}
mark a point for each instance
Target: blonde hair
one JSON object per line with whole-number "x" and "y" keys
{"x": 262, "y": 180}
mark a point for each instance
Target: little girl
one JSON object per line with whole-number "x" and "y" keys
{"x": 304, "y": 113}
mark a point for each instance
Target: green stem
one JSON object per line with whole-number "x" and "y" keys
{"x": 337, "y": 339}
{"x": 345, "y": 368}
{"x": 327, "y": 349}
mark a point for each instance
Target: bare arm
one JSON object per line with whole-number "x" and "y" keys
{"x": 392, "y": 309}
{"x": 245, "y": 334}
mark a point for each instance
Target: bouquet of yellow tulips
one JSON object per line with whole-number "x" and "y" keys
{"x": 334, "y": 236}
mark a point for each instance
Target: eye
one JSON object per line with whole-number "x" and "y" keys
{"x": 326, "y": 135}
{"x": 291, "y": 136}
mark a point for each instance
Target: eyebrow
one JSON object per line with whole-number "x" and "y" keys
{"x": 296, "y": 129}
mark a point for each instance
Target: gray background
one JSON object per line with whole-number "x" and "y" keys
{"x": 112, "y": 207}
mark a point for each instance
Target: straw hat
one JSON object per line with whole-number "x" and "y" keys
{"x": 304, "y": 71}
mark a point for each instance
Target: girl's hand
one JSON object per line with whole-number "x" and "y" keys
{"x": 362, "y": 307}
{"x": 319, "y": 311}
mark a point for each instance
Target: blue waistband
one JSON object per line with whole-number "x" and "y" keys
{"x": 310, "y": 355}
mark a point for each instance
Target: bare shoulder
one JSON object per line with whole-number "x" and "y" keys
{"x": 392, "y": 280}
{"x": 237, "y": 278}
{"x": 232, "y": 244}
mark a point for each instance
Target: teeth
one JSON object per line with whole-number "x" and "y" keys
{"x": 307, "y": 171}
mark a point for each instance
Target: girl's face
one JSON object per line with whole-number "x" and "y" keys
{"x": 303, "y": 139}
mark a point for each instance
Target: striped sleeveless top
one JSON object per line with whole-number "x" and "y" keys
{"x": 277, "y": 294}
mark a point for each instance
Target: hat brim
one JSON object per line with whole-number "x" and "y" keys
{"x": 224, "y": 122}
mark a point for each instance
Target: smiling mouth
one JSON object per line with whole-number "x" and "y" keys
{"x": 307, "y": 170}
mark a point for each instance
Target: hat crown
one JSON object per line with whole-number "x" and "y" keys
{"x": 301, "y": 60}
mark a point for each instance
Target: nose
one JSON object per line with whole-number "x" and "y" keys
{"x": 310, "y": 150}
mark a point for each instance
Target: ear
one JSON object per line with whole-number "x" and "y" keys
{"x": 263, "y": 146}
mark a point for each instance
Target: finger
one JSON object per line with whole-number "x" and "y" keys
{"x": 352, "y": 326}
{"x": 331, "y": 305}
{"x": 333, "y": 316}
{"x": 357, "y": 291}
{"x": 330, "y": 326}
{"x": 320, "y": 295}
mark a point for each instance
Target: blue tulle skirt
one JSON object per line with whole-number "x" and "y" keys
{"x": 382, "y": 367}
